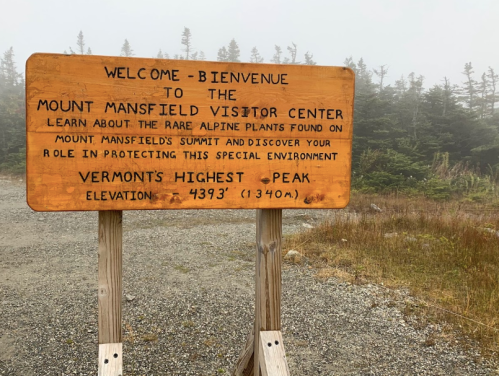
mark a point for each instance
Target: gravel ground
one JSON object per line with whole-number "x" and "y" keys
{"x": 188, "y": 305}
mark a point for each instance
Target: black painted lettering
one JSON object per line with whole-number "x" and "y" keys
{"x": 110, "y": 73}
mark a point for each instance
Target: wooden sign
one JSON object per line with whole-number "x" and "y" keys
{"x": 113, "y": 133}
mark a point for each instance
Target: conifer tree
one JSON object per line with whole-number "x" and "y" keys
{"x": 9, "y": 78}
{"x": 186, "y": 41}
{"x": 293, "y": 50}
{"x": 80, "y": 42}
{"x": 255, "y": 56}
{"x": 493, "y": 79}
{"x": 381, "y": 73}
{"x": 233, "y": 52}
{"x": 309, "y": 59}
{"x": 223, "y": 54}
{"x": 483, "y": 94}
{"x": 447, "y": 96}
{"x": 276, "y": 59}
{"x": 126, "y": 49}
{"x": 162, "y": 55}
{"x": 469, "y": 91}
{"x": 348, "y": 62}
{"x": 12, "y": 119}
{"x": 400, "y": 87}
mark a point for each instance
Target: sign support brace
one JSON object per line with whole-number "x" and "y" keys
{"x": 264, "y": 352}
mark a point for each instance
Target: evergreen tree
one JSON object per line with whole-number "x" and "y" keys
{"x": 447, "y": 96}
{"x": 363, "y": 78}
{"x": 255, "y": 56}
{"x": 483, "y": 95}
{"x": 12, "y": 119}
{"x": 400, "y": 87}
{"x": 276, "y": 59}
{"x": 492, "y": 98}
{"x": 309, "y": 59}
{"x": 293, "y": 50}
{"x": 162, "y": 55}
{"x": 415, "y": 94}
{"x": 372, "y": 115}
{"x": 186, "y": 41}
{"x": 348, "y": 62}
{"x": 80, "y": 42}
{"x": 11, "y": 80}
{"x": 381, "y": 73}
{"x": 469, "y": 91}
{"x": 201, "y": 56}
{"x": 223, "y": 54}
{"x": 126, "y": 49}
{"x": 233, "y": 52}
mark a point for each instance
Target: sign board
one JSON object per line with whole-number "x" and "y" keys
{"x": 114, "y": 133}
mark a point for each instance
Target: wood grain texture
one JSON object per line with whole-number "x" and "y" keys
{"x": 268, "y": 275}
{"x": 106, "y": 133}
{"x": 267, "y": 288}
{"x": 110, "y": 359}
{"x": 245, "y": 362}
{"x": 110, "y": 276}
{"x": 272, "y": 355}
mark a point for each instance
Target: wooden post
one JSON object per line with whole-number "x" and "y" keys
{"x": 110, "y": 276}
{"x": 267, "y": 291}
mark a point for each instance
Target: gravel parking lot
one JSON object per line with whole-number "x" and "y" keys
{"x": 188, "y": 300}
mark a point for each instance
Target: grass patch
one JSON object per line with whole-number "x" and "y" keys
{"x": 182, "y": 269}
{"x": 188, "y": 324}
{"x": 151, "y": 337}
{"x": 445, "y": 253}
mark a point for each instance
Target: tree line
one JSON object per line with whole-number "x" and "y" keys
{"x": 439, "y": 140}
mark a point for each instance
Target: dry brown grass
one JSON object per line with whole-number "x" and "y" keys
{"x": 445, "y": 253}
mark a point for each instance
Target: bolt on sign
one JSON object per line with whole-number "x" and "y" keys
{"x": 115, "y": 133}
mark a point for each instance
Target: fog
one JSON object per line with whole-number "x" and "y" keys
{"x": 433, "y": 38}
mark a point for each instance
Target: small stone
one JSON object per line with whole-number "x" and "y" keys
{"x": 306, "y": 225}
{"x": 492, "y": 231}
{"x": 376, "y": 208}
{"x": 293, "y": 256}
{"x": 129, "y": 298}
{"x": 389, "y": 235}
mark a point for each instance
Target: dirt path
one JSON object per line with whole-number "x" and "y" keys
{"x": 188, "y": 306}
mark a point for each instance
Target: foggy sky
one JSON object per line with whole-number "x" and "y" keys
{"x": 433, "y": 38}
